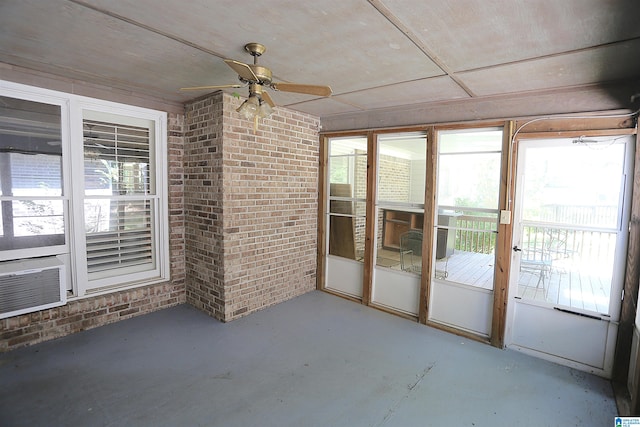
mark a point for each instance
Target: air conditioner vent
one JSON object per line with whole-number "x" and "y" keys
{"x": 31, "y": 285}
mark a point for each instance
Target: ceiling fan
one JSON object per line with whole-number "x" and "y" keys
{"x": 259, "y": 103}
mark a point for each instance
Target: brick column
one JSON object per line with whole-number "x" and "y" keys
{"x": 250, "y": 207}
{"x": 203, "y": 186}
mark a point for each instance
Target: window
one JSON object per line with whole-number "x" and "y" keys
{"x": 400, "y": 200}
{"x": 469, "y": 164}
{"x": 94, "y": 167}
{"x": 31, "y": 191}
{"x": 347, "y": 199}
{"x": 120, "y": 198}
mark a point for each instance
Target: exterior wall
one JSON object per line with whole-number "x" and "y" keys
{"x": 243, "y": 223}
{"x": 87, "y": 313}
{"x": 203, "y": 188}
{"x": 270, "y": 208}
{"x": 251, "y": 207}
{"x": 393, "y": 185}
{"x": 394, "y": 179}
{"x": 360, "y": 208}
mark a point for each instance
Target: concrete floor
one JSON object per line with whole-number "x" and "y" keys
{"x": 317, "y": 360}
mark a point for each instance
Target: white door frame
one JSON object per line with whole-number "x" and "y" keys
{"x": 557, "y": 332}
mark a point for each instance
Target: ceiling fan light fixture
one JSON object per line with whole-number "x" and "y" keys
{"x": 264, "y": 110}
{"x": 249, "y": 108}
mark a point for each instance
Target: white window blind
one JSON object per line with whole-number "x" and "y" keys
{"x": 120, "y": 199}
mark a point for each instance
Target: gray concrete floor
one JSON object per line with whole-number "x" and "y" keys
{"x": 317, "y": 360}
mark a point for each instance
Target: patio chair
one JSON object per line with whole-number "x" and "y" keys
{"x": 411, "y": 251}
{"x": 537, "y": 261}
{"x": 441, "y": 268}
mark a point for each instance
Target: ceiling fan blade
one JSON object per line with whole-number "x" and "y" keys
{"x": 212, "y": 87}
{"x": 301, "y": 88}
{"x": 242, "y": 69}
{"x": 267, "y": 98}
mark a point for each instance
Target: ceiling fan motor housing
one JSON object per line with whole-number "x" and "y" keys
{"x": 262, "y": 73}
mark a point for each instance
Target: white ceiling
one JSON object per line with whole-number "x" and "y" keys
{"x": 375, "y": 54}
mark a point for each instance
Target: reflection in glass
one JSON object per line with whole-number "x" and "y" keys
{"x": 347, "y": 196}
{"x": 117, "y": 159}
{"x": 570, "y": 220}
{"x": 31, "y": 202}
{"x": 584, "y": 190}
{"x": 37, "y": 217}
{"x": 468, "y": 189}
{"x": 400, "y": 201}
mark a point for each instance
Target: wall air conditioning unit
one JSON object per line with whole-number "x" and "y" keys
{"x": 29, "y": 285}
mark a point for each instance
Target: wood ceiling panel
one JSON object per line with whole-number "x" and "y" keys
{"x": 324, "y": 106}
{"x": 609, "y": 63}
{"x": 345, "y": 44}
{"x": 426, "y": 90}
{"x": 94, "y": 47}
{"x": 468, "y": 34}
{"x": 154, "y": 47}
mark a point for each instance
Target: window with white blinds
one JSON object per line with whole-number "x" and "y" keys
{"x": 84, "y": 180}
{"x": 120, "y": 200}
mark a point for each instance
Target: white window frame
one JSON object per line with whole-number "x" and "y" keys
{"x": 50, "y": 98}
{"x": 74, "y": 252}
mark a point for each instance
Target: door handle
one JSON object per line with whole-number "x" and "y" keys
{"x": 516, "y": 248}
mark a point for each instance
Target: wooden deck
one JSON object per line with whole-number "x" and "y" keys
{"x": 469, "y": 268}
{"x": 569, "y": 286}
{"x": 565, "y": 284}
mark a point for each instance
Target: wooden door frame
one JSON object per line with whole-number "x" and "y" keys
{"x": 629, "y": 303}
{"x": 553, "y": 127}
{"x": 503, "y": 241}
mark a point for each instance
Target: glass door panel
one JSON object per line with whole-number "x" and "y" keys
{"x": 468, "y": 187}
{"x": 569, "y": 240}
{"x": 570, "y": 221}
{"x": 346, "y": 214}
{"x": 400, "y": 218}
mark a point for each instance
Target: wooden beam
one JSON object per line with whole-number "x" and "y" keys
{"x": 587, "y": 122}
{"x": 503, "y": 241}
{"x": 578, "y": 100}
{"x": 371, "y": 217}
{"x": 631, "y": 280}
{"x": 459, "y": 332}
{"x": 576, "y": 134}
{"x": 322, "y": 212}
{"x": 428, "y": 225}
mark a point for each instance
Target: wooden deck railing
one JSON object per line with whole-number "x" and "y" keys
{"x": 589, "y": 245}
{"x": 584, "y": 245}
{"x": 476, "y": 234}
